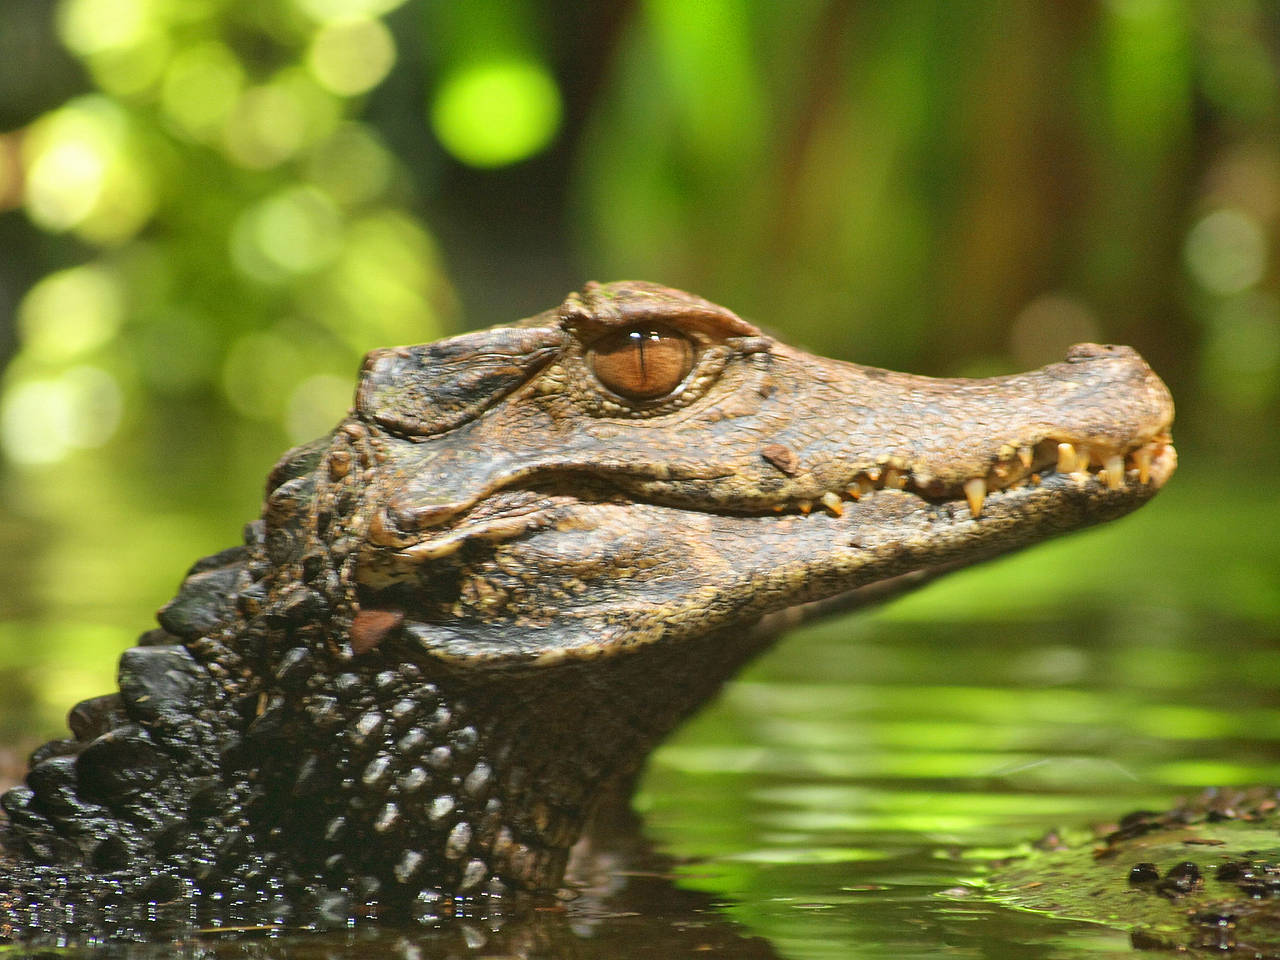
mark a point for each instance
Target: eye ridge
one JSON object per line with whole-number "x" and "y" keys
{"x": 643, "y": 363}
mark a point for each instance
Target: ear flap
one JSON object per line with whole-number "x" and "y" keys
{"x": 434, "y": 387}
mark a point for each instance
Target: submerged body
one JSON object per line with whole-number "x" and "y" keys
{"x": 467, "y": 615}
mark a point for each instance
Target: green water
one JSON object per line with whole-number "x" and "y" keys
{"x": 843, "y": 797}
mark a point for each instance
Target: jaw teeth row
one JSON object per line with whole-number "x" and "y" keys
{"x": 1110, "y": 468}
{"x": 1113, "y": 466}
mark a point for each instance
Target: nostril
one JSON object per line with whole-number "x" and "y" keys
{"x": 1095, "y": 351}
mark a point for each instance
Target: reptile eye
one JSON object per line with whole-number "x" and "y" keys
{"x": 644, "y": 363}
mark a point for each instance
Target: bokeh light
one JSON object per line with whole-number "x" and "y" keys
{"x": 491, "y": 114}
{"x": 265, "y": 127}
{"x": 349, "y": 57}
{"x": 70, "y": 313}
{"x": 44, "y": 419}
{"x": 388, "y": 278}
{"x": 124, "y": 43}
{"x": 1227, "y": 251}
{"x": 81, "y": 174}
{"x": 271, "y": 122}
{"x": 64, "y": 182}
{"x": 352, "y": 166}
{"x": 295, "y": 231}
{"x": 200, "y": 89}
{"x": 92, "y": 26}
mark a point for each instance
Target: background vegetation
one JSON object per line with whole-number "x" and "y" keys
{"x": 211, "y": 208}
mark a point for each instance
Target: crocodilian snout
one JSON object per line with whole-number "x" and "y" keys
{"x": 1101, "y": 409}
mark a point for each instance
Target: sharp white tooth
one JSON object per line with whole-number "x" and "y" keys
{"x": 975, "y": 491}
{"x": 1083, "y": 456}
{"x": 1114, "y": 466}
{"x": 1142, "y": 457}
{"x": 833, "y": 503}
{"x": 805, "y": 506}
{"x": 1066, "y": 458}
{"x": 1024, "y": 455}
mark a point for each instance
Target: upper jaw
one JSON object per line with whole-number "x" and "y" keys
{"x": 795, "y": 432}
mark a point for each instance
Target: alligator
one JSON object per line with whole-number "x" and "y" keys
{"x": 433, "y": 670}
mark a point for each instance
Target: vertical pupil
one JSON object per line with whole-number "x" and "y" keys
{"x": 642, "y": 363}
{"x": 638, "y": 337}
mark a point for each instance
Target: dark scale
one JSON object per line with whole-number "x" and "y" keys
{"x": 235, "y": 809}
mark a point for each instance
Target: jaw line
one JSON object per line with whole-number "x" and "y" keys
{"x": 772, "y": 625}
{"x": 882, "y": 505}
{"x": 882, "y": 546}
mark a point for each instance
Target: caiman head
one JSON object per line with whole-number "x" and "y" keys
{"x": 640, "y": 466}
{"x": 569, "y": 528}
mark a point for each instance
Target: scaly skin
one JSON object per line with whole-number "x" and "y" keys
{"x": 471, "y": 611}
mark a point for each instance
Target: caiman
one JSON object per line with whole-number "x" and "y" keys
{"x": 466, "y": 615}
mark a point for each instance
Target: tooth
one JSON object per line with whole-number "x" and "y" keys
{"x": 1142, "y": 457}
{"x": 874, "y": 475}
{"x": 894, "y": 479}
{"x": 805, "y": 506}
{"x": 1066, "y": 458}
{"x": 866, "y": 485}
{"x": 1024, "y": 454}
{"x": 975, "y": 491}
{"x": 854, "y": 491}
{"x": 1115, "y": 471}
{"x": 1083, "y": 456}
{"x": 833, "y": 503}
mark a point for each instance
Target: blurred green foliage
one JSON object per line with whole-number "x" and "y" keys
{"x": 213, "y": 207}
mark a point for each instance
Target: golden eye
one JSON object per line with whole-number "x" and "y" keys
{"x": 644, "y": 363}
